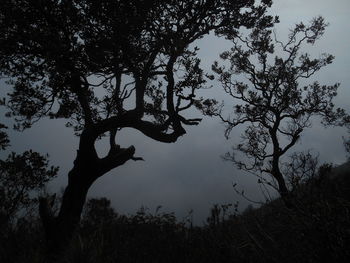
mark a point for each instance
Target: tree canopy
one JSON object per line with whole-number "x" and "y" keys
{"x": 272, "y": 100}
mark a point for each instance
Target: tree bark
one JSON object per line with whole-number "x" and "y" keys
{"x": 88, "y": 167}
{"x": 276, "y": 172}
{"x": 60, "y": 229}
{"x": 282, "y": 187}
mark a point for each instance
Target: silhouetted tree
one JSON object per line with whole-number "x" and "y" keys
{"x": 21, "y": 176}
{"x": 108, "y": 65}
{"x": 273, "y": 103}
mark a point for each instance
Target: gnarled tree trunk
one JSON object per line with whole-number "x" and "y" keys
{"x": 59, "y": 229}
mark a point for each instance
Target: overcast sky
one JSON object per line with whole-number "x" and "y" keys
{"x": 190, "y": 174}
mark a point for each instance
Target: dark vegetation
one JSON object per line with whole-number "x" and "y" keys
{"x": 317, "y": 231}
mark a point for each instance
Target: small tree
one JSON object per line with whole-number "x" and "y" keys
{"x": 272, "y": 102}
{"x": 22, "y": 176}
{"x": 105, "y": 66}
